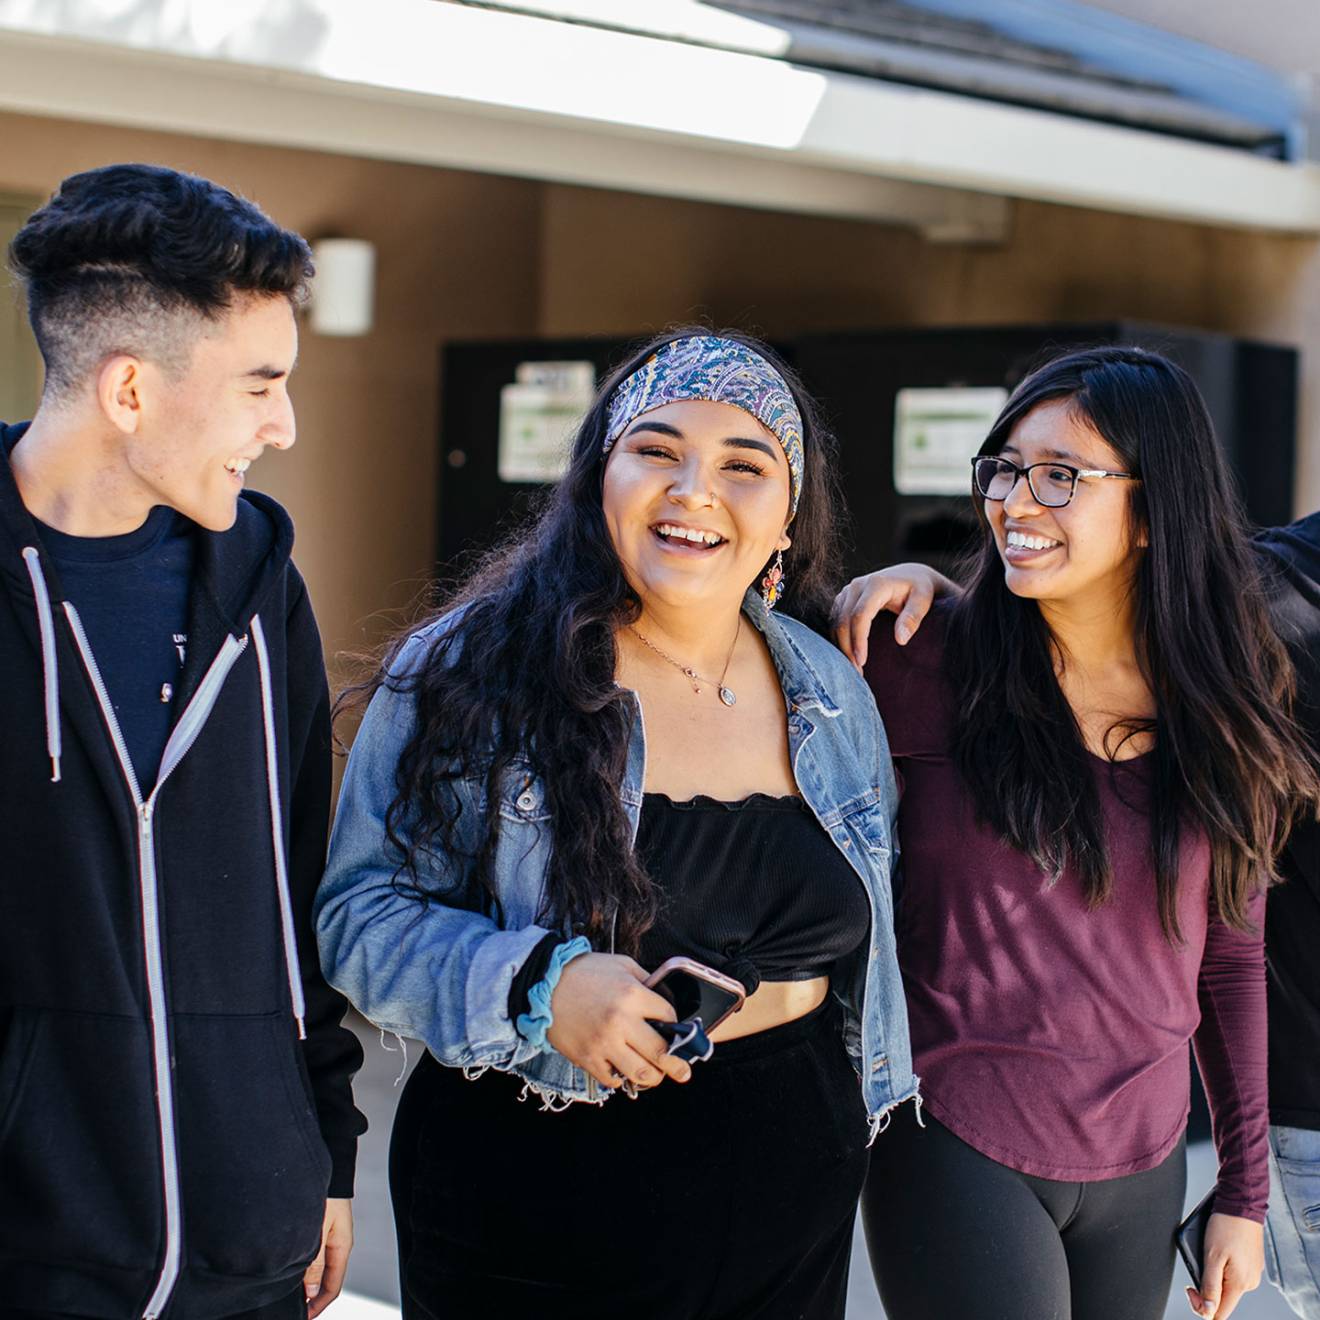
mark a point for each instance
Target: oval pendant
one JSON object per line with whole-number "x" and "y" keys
{"x": 727, "y": 697}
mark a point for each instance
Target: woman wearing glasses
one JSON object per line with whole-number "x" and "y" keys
{"x": 1096, "y": 762}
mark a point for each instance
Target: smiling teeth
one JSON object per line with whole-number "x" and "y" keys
{"x": 239, "y": 464}
{"x": 1021, "y": 541}
{"x": 689, "y": 534}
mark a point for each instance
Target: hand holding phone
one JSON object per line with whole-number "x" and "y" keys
{"x": 1231, "y": 1256}
{"x": 602, "y": 1023}
{"x": 702, "y": 999}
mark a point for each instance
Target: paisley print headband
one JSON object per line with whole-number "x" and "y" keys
{"x": 706, "y": 367}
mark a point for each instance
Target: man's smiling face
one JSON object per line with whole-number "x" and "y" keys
{"x": 201, "y": 429}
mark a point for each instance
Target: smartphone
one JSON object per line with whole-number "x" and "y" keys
{"x": 696, "y": 990}
{"x": 1191, "y": 1238}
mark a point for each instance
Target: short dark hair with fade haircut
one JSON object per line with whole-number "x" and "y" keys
{"x": 139, "y": 259}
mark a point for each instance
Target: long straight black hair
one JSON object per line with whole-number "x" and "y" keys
{"x": 525, "y": 683}
{"x": 1228, "y": 759}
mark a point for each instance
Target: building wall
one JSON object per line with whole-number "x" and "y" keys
{"x": 615, "y": 262}
{"x": 19, "y": 365}
{"x": 457, "y": 258}
{"x": 467, "y": 256}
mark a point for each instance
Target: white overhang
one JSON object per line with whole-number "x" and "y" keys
{"x": 443, "y": 84}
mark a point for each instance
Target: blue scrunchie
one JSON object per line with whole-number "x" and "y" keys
{"x": 533, "y": 1026}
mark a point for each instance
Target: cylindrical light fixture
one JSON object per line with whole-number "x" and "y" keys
{"x": 344, "y": 288}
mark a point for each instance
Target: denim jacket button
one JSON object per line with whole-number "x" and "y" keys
{"x": 526, "y": 801}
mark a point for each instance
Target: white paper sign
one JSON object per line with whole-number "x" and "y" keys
{"x": 539, "y": 414}
{"x": 936, "y": 434}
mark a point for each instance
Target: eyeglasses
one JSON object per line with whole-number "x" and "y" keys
{"x": 1052, "y": 485}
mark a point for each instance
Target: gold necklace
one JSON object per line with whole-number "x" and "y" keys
{"x": 727, "y": 694}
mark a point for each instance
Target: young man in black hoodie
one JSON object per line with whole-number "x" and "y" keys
{"x": 177, "y": 1132}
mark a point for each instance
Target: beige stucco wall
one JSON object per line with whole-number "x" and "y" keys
{"x": 464, "y": 256}
{"x": 20, "y": 371}
{"x": 457, "y": 258}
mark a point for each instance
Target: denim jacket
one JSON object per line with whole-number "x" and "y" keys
{"x": 443, "y": 974}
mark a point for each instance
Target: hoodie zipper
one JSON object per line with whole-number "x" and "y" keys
{"x": 185, "y": 733}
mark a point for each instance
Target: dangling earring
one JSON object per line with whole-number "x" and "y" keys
{"x": 772, "y": 585}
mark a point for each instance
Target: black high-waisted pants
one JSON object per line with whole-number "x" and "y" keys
{"x": 729, "y": 1198}
{"x": 952, "y": 1233}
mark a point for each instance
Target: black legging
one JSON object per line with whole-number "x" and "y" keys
{"x": 733, "y": 1196}
{"x": 954, "y": 1233}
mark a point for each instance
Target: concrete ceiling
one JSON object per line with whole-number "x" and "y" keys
{"x": 1281, "y": 34}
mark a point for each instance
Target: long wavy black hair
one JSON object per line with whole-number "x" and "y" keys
{"x": 523, "y": 683}
{"x": 1227, "y": 757}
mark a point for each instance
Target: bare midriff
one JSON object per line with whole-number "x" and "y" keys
{"x": 773, "y": 1004}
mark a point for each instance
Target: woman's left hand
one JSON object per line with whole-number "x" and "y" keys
{"x": 1234, "y": 1258}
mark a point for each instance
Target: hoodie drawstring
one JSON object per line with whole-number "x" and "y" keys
{"x": 277, "y": 832}
{"x": 49, "y": 660}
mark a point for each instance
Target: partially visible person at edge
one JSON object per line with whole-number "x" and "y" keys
{"x": 512, "y": 856}
{"x": 1098, "y": 764}
{"x": 177, "y": 1133}
{"x": 1292, "y": 950}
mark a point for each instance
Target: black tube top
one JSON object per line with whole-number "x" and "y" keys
{"x": 755, "y": 888}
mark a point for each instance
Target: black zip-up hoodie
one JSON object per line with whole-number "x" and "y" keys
{"x": 166, "y": 1139}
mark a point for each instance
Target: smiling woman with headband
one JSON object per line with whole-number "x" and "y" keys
{"x": 609, "y": 751}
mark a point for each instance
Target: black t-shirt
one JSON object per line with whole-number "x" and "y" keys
{"x": 131, "y": 593}
{"x": 1292, "y": 923}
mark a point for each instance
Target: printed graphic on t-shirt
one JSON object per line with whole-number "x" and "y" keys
{"x": 181, "y": 649}
{"x": 132, "y": 593}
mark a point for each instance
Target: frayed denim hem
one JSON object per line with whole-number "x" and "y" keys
{"x": 879, "y": 1122}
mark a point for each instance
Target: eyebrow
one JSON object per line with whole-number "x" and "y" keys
{"x": 266, "y": 373}
{"x": 745, "y": 442}
{"x": 730, "y": 442}
{"x": 661, "y": 428}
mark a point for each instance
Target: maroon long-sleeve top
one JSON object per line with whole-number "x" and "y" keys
{"x": 1049, "y": 1037}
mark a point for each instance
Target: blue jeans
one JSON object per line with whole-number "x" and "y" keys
{"x": 1292, "y": 1230}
